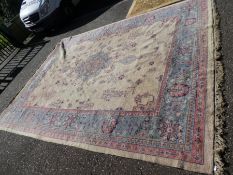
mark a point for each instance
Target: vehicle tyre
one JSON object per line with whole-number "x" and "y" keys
{"x": 68, "y": 8}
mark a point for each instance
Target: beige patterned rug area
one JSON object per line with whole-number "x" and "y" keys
{"x": 141, "y": 88}
{"x": 142, "y": 6}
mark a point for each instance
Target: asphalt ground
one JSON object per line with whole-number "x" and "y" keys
{"x": 21, "y": 155}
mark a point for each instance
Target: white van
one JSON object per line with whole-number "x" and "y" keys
{"x": 37, "y": 15}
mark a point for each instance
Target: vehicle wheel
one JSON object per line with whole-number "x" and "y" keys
{"x": 68, "y": 8}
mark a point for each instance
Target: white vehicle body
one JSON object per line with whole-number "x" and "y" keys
{"x": 34, "y": 12}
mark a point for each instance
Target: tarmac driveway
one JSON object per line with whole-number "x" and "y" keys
{"x": 27, "y": 156}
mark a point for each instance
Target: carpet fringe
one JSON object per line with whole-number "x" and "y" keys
{"x": 219, "y": 142}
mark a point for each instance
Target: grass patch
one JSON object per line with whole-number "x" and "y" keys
{"x": 3, "y": 40}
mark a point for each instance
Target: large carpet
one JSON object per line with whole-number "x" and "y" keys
{"x": 141, "y": 88}
{"x": 142, "y": 6}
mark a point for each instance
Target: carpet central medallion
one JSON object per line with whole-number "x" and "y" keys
{"x": 112, "y": 73}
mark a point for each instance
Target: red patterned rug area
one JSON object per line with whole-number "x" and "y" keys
{"x": 141, "y": 88}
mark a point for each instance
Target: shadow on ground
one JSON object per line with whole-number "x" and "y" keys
{"x": 86, "y": 12}
{"x": 12, "y": 65}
